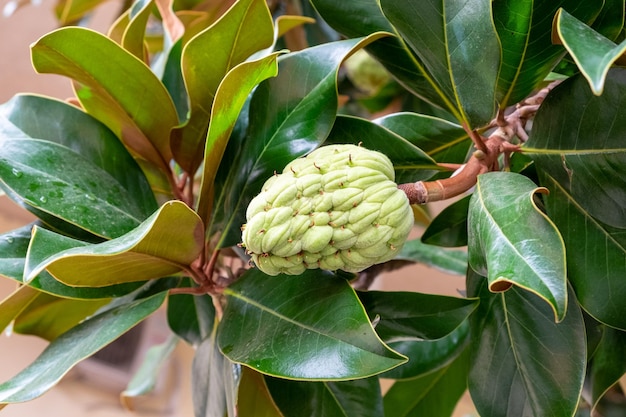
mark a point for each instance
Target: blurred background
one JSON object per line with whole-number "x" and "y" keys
{"x": 94, "y": 387}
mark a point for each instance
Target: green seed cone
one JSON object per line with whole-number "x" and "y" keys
{"x": 336, "y": 208}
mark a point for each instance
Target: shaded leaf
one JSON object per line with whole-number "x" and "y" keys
{"x": 40, "y": 117}
{"x": 189, "y": 316}
{"x": 290, "y": 115}
{"x": 593, "y": 53}
{"x": 360, "y": 397}
{"x": 577, "y": 139}
{"x": 522, "y": 362}
{"x": 610, "y": 21}
{"x": 449, "y": 228}
{"x": 335, "y": 340}
{"x": 608, "y": 364}
{"x": 257, "y": 401}
{"x": 528, "y": 56}
{"x": 458, "y": 44}
{"x": 134, "y": 33}
{"x": 77, "y": 344}
{"x": 55, "y": 180}
{"x": 513, "y": 243}
{"x": 415, "y": 315}
{"x": 13, "y": 304}
{"x": 230, "y": 98}
{"x": 152, "y": 250}
{"x": 435, "y": 394}
{"x": 450, "y": 261}
{"x": 206, "y": 59}
{"x": 146, "y": 377}
{"x": 115, "y": 87}
{"x": 410, "y": 162}
{"x": 426, "y": 356}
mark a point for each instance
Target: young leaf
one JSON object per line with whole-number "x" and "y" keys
{"x": 413, "y": 315}
{"x": 77, "y": 344}
{"x": 206, "y": 59}
{"x": 360, "y": 397}
{"x": 40, "y": 117}
{"x": 410, "y": 162}
{"x": 336, "y": 341}
{"x": 115, "y": 87}
{"x": 153, "y": 250}
{"x": 229, "y": 100}
{"x": 459, "y": 46}
{"x": 434, "y": 395}
{"x": 578, "y": 139}
{"x": 593, "y": 53}
{"x": 513, "y": 243}
{"x": 71, "y": 11}
{"x": 528, "y": 56}
{"x": 522, "y": 362}
{"x": 290, "y": 115}
{"x": 450, "y": 261}
{"x": 135, "y": 32}
{"x": 58, "y": 181}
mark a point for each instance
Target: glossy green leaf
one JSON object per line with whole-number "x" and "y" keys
{"x": 578, "y": 139}
{"x": 435, "y": 394}
{"x": 593, "y": 53}
{"x": 230, "y": 98}
{"x": 528, "y": 56}
{"x": 13, "y": 247}
{"x": 610, "y": 21}
{"x": 134, "y": 34}
{"x": 355, "y": 18}
{"x": 449, "y": 228}
{"x": 115, "y": 87}
{"x": 442, "y": 140}
{"x": 360, "y": 397}
{"x": 290, "y": 115}
{"x": 48, "y": 316}
{"x": 77, "y": 344}
{"x": 145, "y": 379}
{"x": 522, "y": 362}
{"x": 426, "y": 356}
{"x": 608, "y": 364}
{"x": 458, "y": 44}
{"x": 513, "y": 243}
{"x": 56, "y": 180}
{"x": 152, "y": 250}
{"x": 450, "y": 261}
{"x": 596, "y": 256}
{"x": 410, "y": 162}
{"x": 206, "y": 59}
{"x": 415, "y": 315}
{"x": 254, "y": 397}
{"x": 189, "y": 316}
{"x": 214, "y": 379}
{"x": 335, "y": 339}
{"x": 40, "y": 117}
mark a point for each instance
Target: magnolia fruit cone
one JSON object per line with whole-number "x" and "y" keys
{"x": 336, "y": 208}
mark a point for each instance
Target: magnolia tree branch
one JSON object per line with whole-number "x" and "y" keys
{"x": 485, "y": 158}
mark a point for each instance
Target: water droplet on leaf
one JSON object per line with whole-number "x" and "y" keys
{"x": 17, "y": 172}
{"x": 43, "y": 199}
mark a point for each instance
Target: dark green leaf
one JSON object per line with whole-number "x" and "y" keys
{"x": 360, "y": 397}
{"x": 440, "y": 139}
{"x": 77, "y": 344}
{"x": 593, "y": 53}
{"x": 528, "y": 56}
{"x": 522, "y": 362}
{"x": 610, "y": 22}
{"x": 449, "y": 228}
{"x": 608, "y": 364}
{"x": 410, "y": 162}
{"x": 432, "y": 395}
{"x": 578, "y": 140}
{"x": 173, "y": 81}
{"x": 13, "y": 247}
{"x": 189, "y": 316}
{"x": 56, "y": 180}
{"x": 206, "y": 59}
{"x": 414, "y": 315}
{"x": 450, "y": 261}
{"x": 40, "y": 117}
{"x": 514, "y": 243}
{"x": 458, "y": 44}
{"x": 290, "y": 115}
{"x": 426, "y": 356}
{"x": 115, "y": 87}
{"x": 335, "y": 339}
